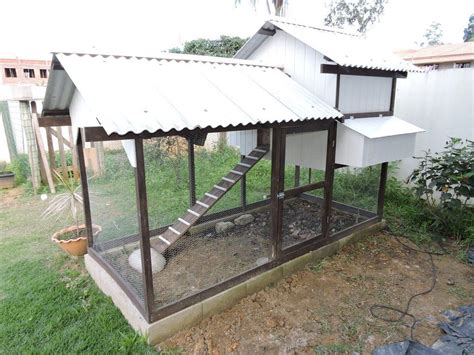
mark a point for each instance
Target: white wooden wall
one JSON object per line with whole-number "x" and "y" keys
{"x": 439, "y": 101}
{"x": 364, "y": 94}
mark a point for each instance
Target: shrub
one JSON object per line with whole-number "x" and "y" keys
{"x": 20, "y": 166}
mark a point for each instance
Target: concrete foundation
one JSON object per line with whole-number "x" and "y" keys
{"x": 193, "y": 315}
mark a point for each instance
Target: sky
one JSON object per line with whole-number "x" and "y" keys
{"x": 34, "y": 28}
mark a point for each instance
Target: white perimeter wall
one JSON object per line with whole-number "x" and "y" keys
{"x": 439, "y": 101}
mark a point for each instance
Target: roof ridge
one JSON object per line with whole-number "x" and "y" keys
{"x": 180, "y": 57}
{"x": 313, "y": 26}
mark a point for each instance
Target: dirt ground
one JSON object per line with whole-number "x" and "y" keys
{"x": 325, "y": 307}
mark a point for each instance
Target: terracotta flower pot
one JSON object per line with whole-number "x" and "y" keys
{"x": 74, "y": 246}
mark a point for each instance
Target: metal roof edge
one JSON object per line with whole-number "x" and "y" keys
{"x": 184, "y": 58}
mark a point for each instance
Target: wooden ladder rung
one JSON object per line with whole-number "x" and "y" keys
{"x": 164, "y": 240}
{"x": 211, "y": 195}
{"x": 220, "y": 188}
{"x": 260, "y": 150}
{"x": 244, "y": 164}
{"x": 228, "y": 180}
{"x": 202, "y": 204}
{"x": 252, "y": 157}
{"x": 194, "y": 213}
{"x": 237, "y": 172}
{"x": 174, "y": 230}
{"x": 184, "y": 221}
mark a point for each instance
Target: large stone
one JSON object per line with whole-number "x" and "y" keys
{"x": 222, "y": 227}
{"x": 158, "y": 261}
{"x": 244, "y": 219}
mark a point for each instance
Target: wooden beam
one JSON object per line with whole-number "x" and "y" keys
{"x": 85, "y": 192}
{"x": 44, "y": 159}
{"x": 329, "y": 180}
{"x": 392, "y": 94}
{"x": 382, "y": 185}
{"x": 342, "y": 70}
{"x": 367, "y": 114}
{"x": 54, "y": 121}
{"x": 59, "y": 135}
{"x": 300, "y": 189}
{"x": 297, "y": 175}
{"x": 266, "y": 32}
{"x": 277, "y": 187}
{"x": 96, "y": 134}
{"x": 52, "y": 156}
{"x": 191, "y": 172}
{"x": 75, "y": 169}
{"x": 144, "y": 229}
{"x": 65, "y": 141}
{"x": 243, "y": 188}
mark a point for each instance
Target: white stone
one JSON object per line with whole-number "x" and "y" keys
{"x": 244, "y": 219}
{"x": 158, "y": 261}
{"x": 222, "y": 227}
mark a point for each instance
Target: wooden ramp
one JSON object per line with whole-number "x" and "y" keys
{"x": 185, "y": 222}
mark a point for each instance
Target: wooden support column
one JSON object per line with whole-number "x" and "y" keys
{"x": 52, "y": 157}
{"x": 73, "y": 153}
{"x": 144, "y": 229}
{"x": 309, "y": 175}
{"x": 243, "y": 188}
{"x": 42, "y": 153}
{"x": 85, "y": 191}
{"x": 59, "y": 135}
{"x": 297, "y": 175}
{"x": 191, "y": 172}
{"x": 277, "y": 188}
{"x": 382, "y": 185}
{"x": 329, "y": 179}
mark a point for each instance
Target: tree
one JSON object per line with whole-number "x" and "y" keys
{"x": 361, "y": 13}
{"x": 469, "y": 30}
{"x": 279, "y": 6}
{"x": 432, "y": 36}
{"x": 225, "y": 46}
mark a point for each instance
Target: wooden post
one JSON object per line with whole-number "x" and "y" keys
{"x": 277, "y": 188}
{"x": 31, "y": 144}
{"x": 52, "y": 157}
{"x": 297, "y": 175}
{"x": 85, "y": 191}
{"x": 392, "y": 95}
{"x": 382, "y": 185}
{"x": 73, "y": 153}
{"x": 142, "y": 208}
{"x": 243, "y": 188}
{"x": 42, "y": 152}
{"x": 191, "y": 172}
{"x": 309, "y": 176}
{"x": 329, "y": 179}
{"x": 59, "y": 134}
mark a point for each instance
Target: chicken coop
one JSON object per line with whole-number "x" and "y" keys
{"x": 182, "y": 222}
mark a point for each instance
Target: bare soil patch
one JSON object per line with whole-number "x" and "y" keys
{"x": 325, "y": 308}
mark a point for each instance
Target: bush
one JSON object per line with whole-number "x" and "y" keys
{"x": 20, "y": 166}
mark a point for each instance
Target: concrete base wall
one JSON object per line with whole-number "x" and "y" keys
{"x": 193, "y": 315}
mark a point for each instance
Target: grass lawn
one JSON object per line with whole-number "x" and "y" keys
{"x": 48, "y": 303}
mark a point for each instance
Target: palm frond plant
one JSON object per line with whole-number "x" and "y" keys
{"x": 69, "y": 204}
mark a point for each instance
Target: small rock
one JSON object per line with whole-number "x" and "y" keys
{"x": 222, "y": 227}
{"x": 450, "y": 282}
{"x": 261, "y": 261}
{"x": 244, "y": 219}
{"x": 158, "y": 261}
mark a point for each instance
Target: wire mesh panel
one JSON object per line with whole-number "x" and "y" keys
{"x": 113, "y": 208}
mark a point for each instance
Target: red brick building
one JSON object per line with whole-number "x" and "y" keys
{"x": 24, "y": 71}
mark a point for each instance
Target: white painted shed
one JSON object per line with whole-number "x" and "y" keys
{"x": 359, "y": 81}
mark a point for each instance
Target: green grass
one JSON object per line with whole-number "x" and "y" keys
{"x": 48, "y": 303}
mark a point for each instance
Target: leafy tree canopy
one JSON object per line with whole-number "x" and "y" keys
{"x": 469, "y": 30}
{"x": 360, "y": 13}
{"x": 225, "y": 46}
{"x": 433, "y": 35}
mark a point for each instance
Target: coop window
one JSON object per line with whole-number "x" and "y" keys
{"x": 462, "y": 65}
{"x": 29, "y": 73}
{"x": 10, "y": 72}
{"x": 43, "y": 73}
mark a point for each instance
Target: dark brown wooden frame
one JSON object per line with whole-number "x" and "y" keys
{"x": 279, "y": 256}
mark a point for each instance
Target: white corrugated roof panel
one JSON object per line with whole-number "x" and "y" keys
{"x": 133, "y": 94}
{"x": 343, "y": 48}
{"x": 378, "y": 127}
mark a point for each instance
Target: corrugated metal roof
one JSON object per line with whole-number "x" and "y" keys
{"x": 378, "y": 127}
{"x": 344, "y": 48}
{"x": 134, "y": 94}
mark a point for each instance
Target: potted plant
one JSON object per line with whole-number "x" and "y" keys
{"x": 7, "y": 178}
{"x": 72, "y": 239}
